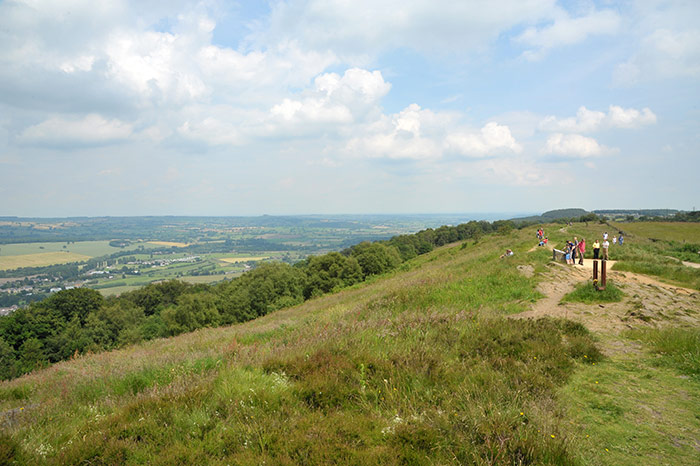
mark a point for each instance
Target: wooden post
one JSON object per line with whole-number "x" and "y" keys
{"x": 603, "y": 274}
{"x": 595, "y": 274}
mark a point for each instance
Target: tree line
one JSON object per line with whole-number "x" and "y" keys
{"x": 80, "y": 320}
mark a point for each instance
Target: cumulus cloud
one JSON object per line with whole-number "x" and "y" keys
{"x": 575, "y": 146}
{"x": 416, "y": 133}
{"x": 406, "y": 135}
{"x": 565, "y": 30}
{"x": 335, "y": 98}
{"x": 492, "y": 138}
{"x": 91, "y": 130}
{"x": 587, "y": 121}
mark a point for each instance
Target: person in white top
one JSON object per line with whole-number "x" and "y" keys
{"x": 605, "y": 236}
{"x": 606, "y": 245}
{"x": 614, "y": 239}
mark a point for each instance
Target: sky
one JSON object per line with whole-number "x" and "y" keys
{"x": 347, "y": 106}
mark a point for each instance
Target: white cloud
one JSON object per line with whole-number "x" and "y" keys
{"x": 666, "y": 42}
{"x": 575, "y": 145}
{"x": 587, "y": 121}
{"x": 416, "y": 133}
{"x": 356, "y": 29}
{"x": 335, "y": 99}
{"x": 399, "y": 137}
{"x": 491, "y": 139}
{"x": 663, "y": 54}
{"x": 91, "y": 130}
{"x": 619, "y": 117}
{"x": 565, "y": 30}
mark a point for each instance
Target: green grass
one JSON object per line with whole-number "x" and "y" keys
{"x": 627, "y": 410}
{"x": 674, "y": 272}
{"x": 419, "y": 366}
{"x": 586, "y": 293}
{"x": 677, "y": 347}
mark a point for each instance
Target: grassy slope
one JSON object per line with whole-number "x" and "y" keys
{"x": 419, "y": 367}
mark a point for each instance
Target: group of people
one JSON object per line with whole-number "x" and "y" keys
{"x": 606, "y": 245}
{"x": 575, "y": 250}
{"x": 540, "y": 236}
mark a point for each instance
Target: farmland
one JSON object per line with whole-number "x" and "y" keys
{"x": 40, "y": 259}
{"x": 115, "y": 255}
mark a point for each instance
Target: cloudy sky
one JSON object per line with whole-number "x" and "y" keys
{"x": 336, "y": 106}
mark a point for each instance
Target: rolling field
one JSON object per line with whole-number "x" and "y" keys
{"x": 170, "y": 243}
{"x": 236, "y": 260}
{"x": 40, "y": 260}
{"x": 86, "y": 248}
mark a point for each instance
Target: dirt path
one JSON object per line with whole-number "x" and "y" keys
{"x": 647, "y": 302}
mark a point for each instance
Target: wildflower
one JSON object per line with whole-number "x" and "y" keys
{"x": 22, "y": 408}
{"x": 552, "y": 435}
{"x": 596, "y": 381}
{"x": 585, "y": 356}
{"x": 522, "y": 414}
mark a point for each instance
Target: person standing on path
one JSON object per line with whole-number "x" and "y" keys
{"x": 596, "y": 249}
{"x": 606, "y": 245}
{"x": 581, "y": 250}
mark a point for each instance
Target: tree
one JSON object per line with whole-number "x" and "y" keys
{"x": 75, "y": 302}
{"x": 376, "y": 258}
{"x": 32, "y": 355}
{"x": 192, "y": 312}
{"x": 329, "y": 271}
{"x": 8, "y": 361}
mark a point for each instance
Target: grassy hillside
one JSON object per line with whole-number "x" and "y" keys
{"x": 421, "y": 366}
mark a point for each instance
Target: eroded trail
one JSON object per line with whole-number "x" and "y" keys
{"x": 647, "y": 301}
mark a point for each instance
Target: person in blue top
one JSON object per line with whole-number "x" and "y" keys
{"x": 619, "y": 240}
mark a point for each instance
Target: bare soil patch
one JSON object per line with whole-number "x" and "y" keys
{"x": 647, "y": 302}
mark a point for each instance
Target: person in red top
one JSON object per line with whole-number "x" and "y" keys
{"x": 581, "y": 250}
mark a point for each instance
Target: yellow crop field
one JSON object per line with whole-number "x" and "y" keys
{"x": 170, "y": 243}
{"x": 236, "y": 260}
{"x": 40, "y": 260}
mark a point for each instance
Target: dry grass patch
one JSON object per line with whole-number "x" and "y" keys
{"x": 170, "y": 243}
{"x": 40, "y": 260}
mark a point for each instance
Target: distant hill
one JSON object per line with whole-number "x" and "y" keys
{"x": 552, "y": 215}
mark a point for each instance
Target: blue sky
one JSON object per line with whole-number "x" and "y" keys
{"x": 330, "y": 106}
